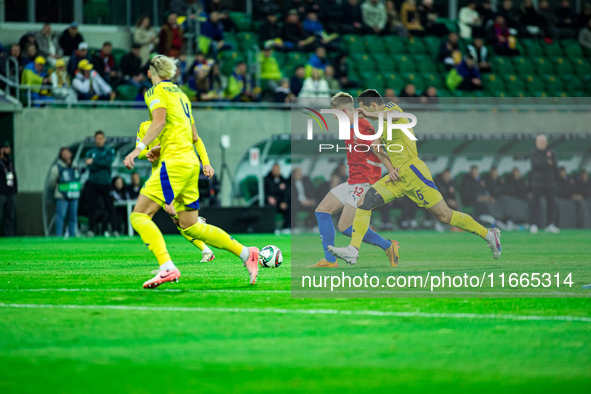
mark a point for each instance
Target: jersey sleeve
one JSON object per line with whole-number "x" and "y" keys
{"x": 365, "y": 128}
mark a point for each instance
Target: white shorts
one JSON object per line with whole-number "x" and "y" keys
{"x": 350, "y": 194}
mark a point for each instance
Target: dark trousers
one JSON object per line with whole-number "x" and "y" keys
{"x": 549, "y": 194}
{"x": 7, "y": 213}
{"x": 97, "y": 193}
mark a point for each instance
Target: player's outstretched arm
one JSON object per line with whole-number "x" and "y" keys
{"x": 158, "y": 123}
{"x": 202, "y": 152}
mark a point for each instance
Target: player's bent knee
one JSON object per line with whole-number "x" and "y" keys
{"x": 371, "y": 200}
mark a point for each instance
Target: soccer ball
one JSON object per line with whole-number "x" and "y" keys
{"x": 270, "y": 257}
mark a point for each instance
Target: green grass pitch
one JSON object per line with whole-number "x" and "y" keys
{"x": 74, "y": 319}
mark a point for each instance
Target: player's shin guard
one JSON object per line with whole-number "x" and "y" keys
{"x": 360, "y": 226}
{"x": 327, "y": 233}
{"x": 466, "y": 223}
{"x": 371, "y": 237}
{"x": 213, "y": 236}
{"x": 196, "y": 242}
{"x": 151, "y": 236}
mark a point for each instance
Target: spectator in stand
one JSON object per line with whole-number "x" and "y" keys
{"x": 89, "y": 85}
{"x": 27, "y": 39}
{"x": 468, "y": 70}
{"x": 585, "y": 36}
{"x": 30, "y": 54}
{"x": 409, "y": 91}
{"x": 119, "y": 194}
{"x": 550, "y": 22}
{"x": 469, "y": 20}
{"x": 13, "y": 53}
{"x": 224, "y": 15}
{"x": 353, "y": 19}
{"x": 199, "y": 82}
{"x": 80, "y": 54}
{"x": 133, "y": 190}
{"x": 315, "y": 86}
{"x": 171, "y": 37}
{"x": 35, "y": 74}
{"x": 263, "y": 8}
{"x": 341, "y": 68}
{"x": 317, "y": 60}
{"x": 283, "y": 93}
{"x": 304, "y": 196}
{"x": 510, "y": 14}
{"x": 131, "y": 67}
{"x": 390, "y": 95}
{"x": 313, "y": 6}
{"x": 297, "y": 80}
{"x": 277, "y": 194}
{"x": 298, "y": 6}
{"x": 480, "y": 54}
{"x": 374, "y": 15}
{"x": 60, "y": 81}
{"x": 429, "y": 96}
{"x": 584, "y": 185}
{"x": 314, "y": 28}
{"x": 70, "y": 39}
{"x": 487, "y": 15}
{"x": 293, "y": 35}
{"x": 98, "y": 162}
{"x": 531, "y": 19}
{"x": 394, "y": 25}
{"x": 64, "y": 179}
{"x": 271, "y": 31}
{"x": 543, "y": 183}
{"x": 332, "y": 16}
{"x": 516, "y": 185}
{"x": 429, "y": 16}
{"x": 104, "y": 63}
{"x": 145, "y": 36}
{"x": 447, "y": 187}
{"x": 449, "y": 51}
{"x": 474, "y": 193}
{"x": 241, "y": 85}
{"x": 216, "y": 83}
{"x": 411, "y": 19}
{"x": 504, "y": 43}
{"x": 567, "y": 187}
{"x": 567, "y": 18}
{"x": 333, "y": 83}
{"x": 48, "y": 44}
{"x": 211, "y": 40}
{"x": 8, "y": 190}
{"x": 270, "y": 70}
{"x": 494, "y": 183}
{"x": 585, "y": 15}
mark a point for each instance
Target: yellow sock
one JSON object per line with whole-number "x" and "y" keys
{"x": 213, "y": 236}
{"x": 151, "y": 236}
{"x": 360, "y": 226}
{"x": 196, "y": 242}
{"x": 466, "y": 223}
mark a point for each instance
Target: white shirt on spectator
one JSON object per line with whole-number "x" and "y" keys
{"x": 315, "y": 88}
{"x": 83, "y": 85}
{"x": 466, "y": 18}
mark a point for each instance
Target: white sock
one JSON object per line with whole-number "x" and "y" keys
{"x": 169, "y": 265}
{"x": 244, "y": 254}
{"x": 206, "y": 249}
{"x": 489, "y": 236}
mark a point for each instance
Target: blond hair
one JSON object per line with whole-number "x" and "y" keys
{"x": 341, "y": 100}
{"x": 163, "y": 66}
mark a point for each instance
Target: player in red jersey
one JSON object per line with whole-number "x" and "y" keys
{"x": 364, "y": 170}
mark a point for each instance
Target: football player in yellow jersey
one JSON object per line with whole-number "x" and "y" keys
{"x": 407, "y": 175}
{"x": 206, "y": 253}
{"x": 174, "y": 184}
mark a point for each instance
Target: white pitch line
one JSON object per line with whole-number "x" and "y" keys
{"x": 584, "y": 319}
{"x": 508, "y": 294}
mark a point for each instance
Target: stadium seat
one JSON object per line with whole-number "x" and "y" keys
{"x": 242, "y": 20}
{"x": 364, "y": 62}
{"x": 553, "y": 83}
{"x": 403, "y": 63}
{"x": 493, "y": 83}
{"x": 296, "y": 58}
{"x": 533, "y": 83}
{"x": 415, "y": 45}
{"x": 532, "y": 47}
{"x": 542, "y": 65}
{"x": 249, "y": 189}
{"x": 451, "y": 25}
{"x": 246, "y": 40}
{"x": 118, "y": 54}
{"x": 126, "y": 92}
{"x": 354, "y": 43}
{"x": 562, "y": 66}
{"x": 384, "y": 64}
{"x": 582, "y": 66}
{"x": 433, "y": 79}
{"x": 502, "y": 65}
{"x": 95, "y": 10}
{"x": 394, "y": 81}
{"x": 513, "y": 82}
{"x": 523, "y": 65}
{"x": 432, "y": 44}
{"x": 552, "y": 50}
{"x": 372, "y": 80}
{"x": 373, "y": 43}
{"x": 572, "y": 49}
{"x": 424, "y": 63}
{"x": 415, "y": 79}
{"x": 394, "y": 45}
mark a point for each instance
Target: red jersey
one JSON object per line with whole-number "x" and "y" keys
{"x": 364, "y": 165}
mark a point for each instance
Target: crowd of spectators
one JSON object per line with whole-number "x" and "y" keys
{"x": 310, "y": 26}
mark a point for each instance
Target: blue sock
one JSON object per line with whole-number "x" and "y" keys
{"x": 371, "y": 237}
{"x": 327, "y": 233}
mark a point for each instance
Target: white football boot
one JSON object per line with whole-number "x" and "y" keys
{"x": 349, "y": 253}
{"x": 493, "y": 239}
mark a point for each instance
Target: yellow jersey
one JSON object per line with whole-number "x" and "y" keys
{"x": 141, "y": 132}
{"x": 176, "y": 139}
{"x": 400, "y": 148}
